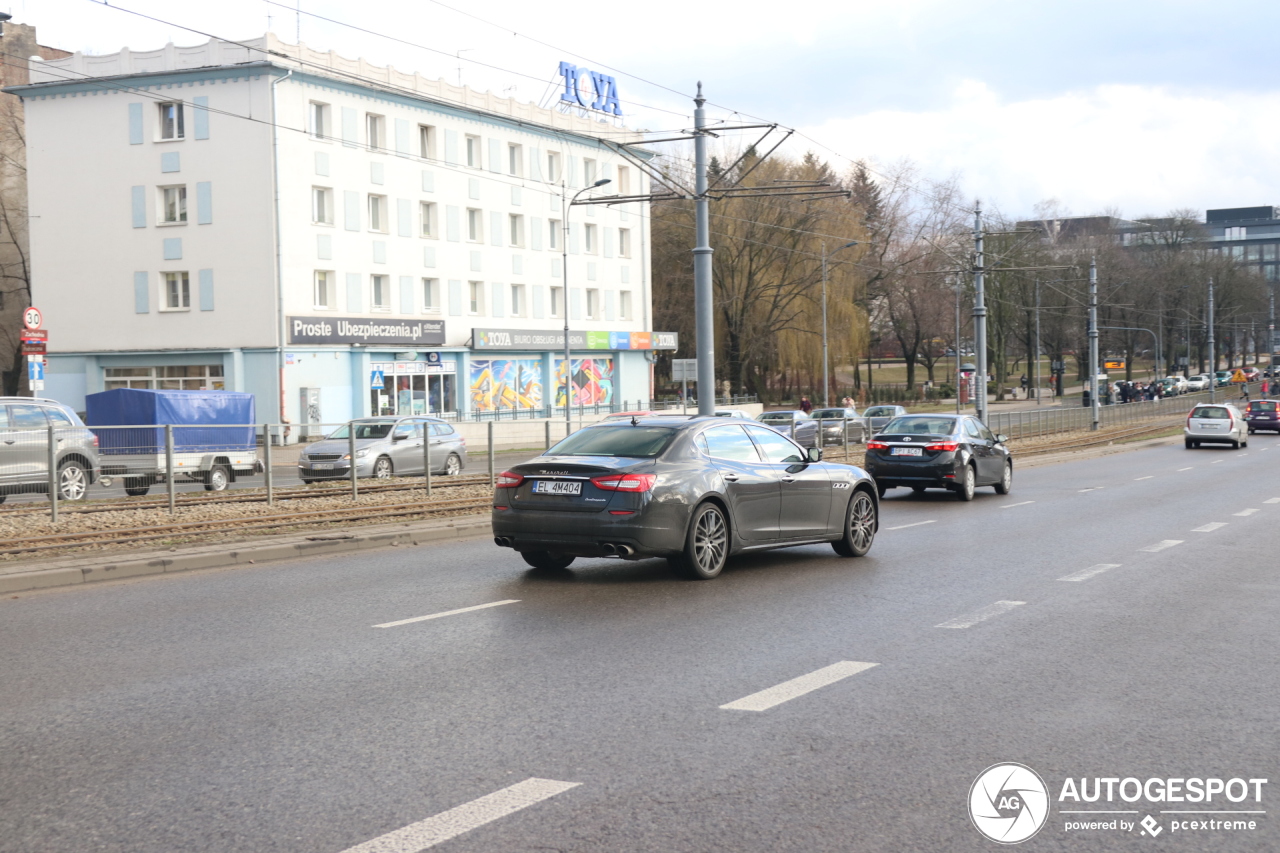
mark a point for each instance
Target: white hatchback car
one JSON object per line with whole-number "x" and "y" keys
{"x": 1216, "y": 423}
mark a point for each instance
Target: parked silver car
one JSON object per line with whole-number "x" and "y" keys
{"x": 839, "y": 424}
{"x": 24, "y": 448}
{"x": 1218, "y": 423}
{"x": 385, "y": 447}
{"x": 793, "y": 423}
{"x": 876, "y": 417}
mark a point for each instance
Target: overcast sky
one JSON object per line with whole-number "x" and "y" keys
{"x": 1140, "y": 106}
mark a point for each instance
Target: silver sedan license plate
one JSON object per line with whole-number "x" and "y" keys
{"x": 557, "y": 487}
{"x": 907, "y": 451}
{"x": 321, "y": 466}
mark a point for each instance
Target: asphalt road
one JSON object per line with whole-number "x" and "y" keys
{"x": 261, "y": 710}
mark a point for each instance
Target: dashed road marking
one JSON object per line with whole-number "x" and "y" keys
{"x": 464, "y": 818}
{"x": 1272, "y": 501}
{"x": 1186, "y": 469}
{"x": 1020, "y": 503}
{"x": 1148, "y": 477}
{"x": 913, "y": 524}
{"x": 1245, "y": 512}
{"x": 1216, "y": 461}
{"x": 1085, "y": 574}
{"x": 981, "y": 615}
{"x": 1209, "y": 528}
{"x": 1162, "y": 544}
{"x": 788, "y": 690}
{"x": 1093, "y": 489}
{"x": 447, "y": 613}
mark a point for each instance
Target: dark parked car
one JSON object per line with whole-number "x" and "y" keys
{"x": 1262, "y": 415}
{"x": 805, "y": 430}
{"x": 837, "y": 425}
{"x": 955, "y": 452}
{"x": 695, "y": 491}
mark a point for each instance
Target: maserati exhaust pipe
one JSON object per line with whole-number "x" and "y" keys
{"x": 502, "y": 541}
{"x": 623, "y": 550}
{"x": 608, "y": 549}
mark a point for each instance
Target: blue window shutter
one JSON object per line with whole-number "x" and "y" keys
{"x": 515, "y": 196}
{"x": 139, "y": 199}
{"x": 379, "y": 251}
{"x": 451, "y": 147}
{"x": 571, "y": 172}
{"x": 455, "y": 297}
{"x": 429, "y": 256}
{"x": 324, "y": 247}
{"x": 625, "y": 275}
{"x": 538, "y": 311}
{"x": 496, "y": 161}
{"x": 517, "y": 265}
{"x": 171, "y": 161}
{"x": 606, "y": 171}
{"x": 204, "y": 203}
{"x": 497, "y": 234}
{"x": 350, "y": 127}
{"x": 535, "y": 164}
{"x": 608, "y": 305}
{"x": 591, "y": 270}
{"x": 377, "y": 174}
{"x": 476, "y": 261}
{"x": 608, "y": 242}
{"x": 206, "y": 290}
{"x": 535, "y": 234}
{"x": 573, "y": 239}
{"x": 355, "y": 299}
{"x": 402, "y": 136}
{"x": 173, "y": 248}
{"x": 404, "y": 211}
{"x": 428, "y": 181}
{"x": 201, "y": 116}
{"x": 406, "y": 294}
{"x": 575, "y": 303}
{"x": 351, "y": 210}
{"x": 141, "y": 293}
{"x": 135, "y": 124}
{"x": 498, "y": 304}
{"x": 452, "y": 224}
{"x": 322, "y": 163}
{"x": 473, "y": 188}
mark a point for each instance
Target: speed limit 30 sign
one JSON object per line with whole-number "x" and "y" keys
{"x": 31, "y": 318}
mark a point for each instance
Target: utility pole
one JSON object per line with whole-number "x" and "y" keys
{"x": 979, "y": 317}
{"x": 957, "y": 346}
{"x": 1036, "y": 381}
{"x": 705, "y": 321}
{"x": 1093, "y": 343}
{"x": 1213, "y": 358}
{"x": 826, "y": 381}
{"x": 1271, "y": 328}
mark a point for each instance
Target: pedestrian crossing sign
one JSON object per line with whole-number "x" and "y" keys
{"x": 377, "y": 380}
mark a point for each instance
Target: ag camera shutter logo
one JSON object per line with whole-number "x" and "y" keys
{"x": 1008, "y": 803}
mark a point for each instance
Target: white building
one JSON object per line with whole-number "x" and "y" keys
{"x": 271, "y": 219}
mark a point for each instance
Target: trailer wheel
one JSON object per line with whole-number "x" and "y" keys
{"x": 218, "y": 478}
{"x": 136, "y": 486}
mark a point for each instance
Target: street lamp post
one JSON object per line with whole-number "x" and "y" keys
{"x": 565, "y": 204}
{"x": 826, "y": 381}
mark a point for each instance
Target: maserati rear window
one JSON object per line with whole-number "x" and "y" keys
{"x": 631, "y": 441}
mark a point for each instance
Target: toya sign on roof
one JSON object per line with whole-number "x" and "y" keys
{"x": 589, "y": 89}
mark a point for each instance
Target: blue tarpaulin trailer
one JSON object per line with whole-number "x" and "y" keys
{"x": 213, "y": 437}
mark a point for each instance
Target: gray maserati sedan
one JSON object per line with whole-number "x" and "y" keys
{"x": 695, "y": 491}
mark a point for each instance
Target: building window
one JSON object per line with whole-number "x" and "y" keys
{"x": 381, "y": 287}
{"x": 427, "y": 216}
{"x": 185, "y": 377}
{"x": 475, "y": 225}
{"x": 624, "y": 242}
{"x": 593, "y": 304}
{"x": 1269, "y": 252}
{"x": 1253, "y": 252}
{"x": 378, "y": 213}
{"x": 426, "y": 142}
{"x": 318, "y": 120}
{"x": 321, "y": 206}
{"x": 516, "y": 229}
{"x": 431, "y": 295}
{"x": 177, "y": 291}
{"x": 517, "y": 300}
{"x": 1237, "y": 252}
{"x": 624, "y": 180}
{"x": 1272, "y": 272}
{"x": 553, "y": 233}
{"x": 557, "y": 302}
{"x": 1235, "y": 233}
{"x": 588, "y": 171}
{"x": 326, "y": 292}
{"x": 553, "y": 166}
{"x": 473, "y": 151}
{"x": 172, "y": 121}
{"x": 375, "y": 133}
{"x": 589, "y": 243}
{"x": 476, "y": 295}
{"x": 515, "y": 160}
{"x": 624, "y": 305}
{"x": 173, "y": 205}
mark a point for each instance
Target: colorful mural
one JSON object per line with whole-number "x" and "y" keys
{"x": 505, "y": 383}
{"x": 592, "y": 381}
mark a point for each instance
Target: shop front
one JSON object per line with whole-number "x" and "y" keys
{"x": 426, "y": 387}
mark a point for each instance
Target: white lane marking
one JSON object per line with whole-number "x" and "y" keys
{"x": 1272, "y": 501}
{"x": 1020, "y": 503}
{"x": 787, "y": 690}
{"x": 915, "y": 524}
{"x": 447, "y": 613}
{"x": 464, "y": 818}
{"x": 1216, "y": 461}
{"x": 1093, "y": 488}
{"x": 1209, "y": 528}
{"x": 1264, "y": 450}
{"x": 1085, "y": 574}
{"x": 1186, "y": 469}
{"x": 1162, "y": 544}
{"x": 980, "y": 615}
{"x": 1148, "y": 477}
{"x": 1245, "y": 512}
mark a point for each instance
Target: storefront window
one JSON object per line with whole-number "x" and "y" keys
{"x": 186, "y": 377}
{"x": 414, "y": 388}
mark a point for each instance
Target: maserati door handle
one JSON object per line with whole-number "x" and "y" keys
{"x": 731, "y": 478}
{"x": 788, "y": 479}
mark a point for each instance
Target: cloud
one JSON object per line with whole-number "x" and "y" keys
{"x": 1142, "y": 149}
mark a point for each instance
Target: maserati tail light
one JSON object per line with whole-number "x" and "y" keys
{"x": 625, "y": 482}
{"x": 508, "y": 480}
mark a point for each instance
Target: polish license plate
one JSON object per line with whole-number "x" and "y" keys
{"x": 906, "y": 451}
{"x": 321, "y": 466}
{"x": 556, "y": 487}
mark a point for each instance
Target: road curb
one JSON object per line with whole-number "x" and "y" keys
{"x": 315, "y": 545}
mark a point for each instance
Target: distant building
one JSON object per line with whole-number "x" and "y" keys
{"x": 338, "y": 238}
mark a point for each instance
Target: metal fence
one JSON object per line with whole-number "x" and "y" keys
{"x": 1038, "y": 422}
{"x": 583, "y": 410}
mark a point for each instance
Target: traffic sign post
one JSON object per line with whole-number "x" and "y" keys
{"x": 377, "y": 380}
{"x": 32, "y": 318}
{"x": 682, "y": 370}
{"x": 35, "y": 375}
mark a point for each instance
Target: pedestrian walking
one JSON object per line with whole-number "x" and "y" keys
{"x": 805, "y": 405}
{"x": 1024, "y": 386}
{"x": 1264, "y": 387}
{"x": 1244, "y": 390}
